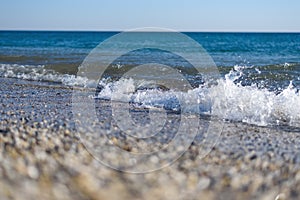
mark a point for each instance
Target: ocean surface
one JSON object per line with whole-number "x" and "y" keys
{"x": 259, "y": 72}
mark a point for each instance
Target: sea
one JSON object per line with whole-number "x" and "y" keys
{"x": 258, "y": 82}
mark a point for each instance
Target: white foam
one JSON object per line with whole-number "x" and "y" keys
{"x": 226, "y": 100}
{"x": 39, "y": 73}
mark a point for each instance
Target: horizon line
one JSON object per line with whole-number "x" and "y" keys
{"x": 190, "y": 31}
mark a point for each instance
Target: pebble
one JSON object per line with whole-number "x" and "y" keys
{"x": 203, "y": 183}
{"x": 33, "y": 172}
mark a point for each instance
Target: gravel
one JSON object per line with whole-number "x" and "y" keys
{"x": 42, "y": 156}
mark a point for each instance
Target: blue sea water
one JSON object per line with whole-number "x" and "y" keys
{"x": 260, "y": 71}
{"x": 64, "y": 51}
{"x": 227, "y": 49}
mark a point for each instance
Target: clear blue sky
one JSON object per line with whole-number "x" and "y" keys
{"x": 183, "y": 15}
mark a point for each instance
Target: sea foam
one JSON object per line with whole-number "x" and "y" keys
{"x": 227, "y": 99}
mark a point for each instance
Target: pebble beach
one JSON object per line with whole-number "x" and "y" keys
{"x": 42, "y": 157}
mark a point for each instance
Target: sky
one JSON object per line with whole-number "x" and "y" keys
{"x": 180, "y": 15}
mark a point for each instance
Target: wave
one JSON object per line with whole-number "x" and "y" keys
{"x": 227, "y": 99}
{"x": 255, "y": 105}
{"x": 40, "y": 73}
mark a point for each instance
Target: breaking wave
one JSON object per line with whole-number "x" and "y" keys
{"x": 227, "y": 99}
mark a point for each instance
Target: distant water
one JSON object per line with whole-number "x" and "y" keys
{"x": 260, "y": 71}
